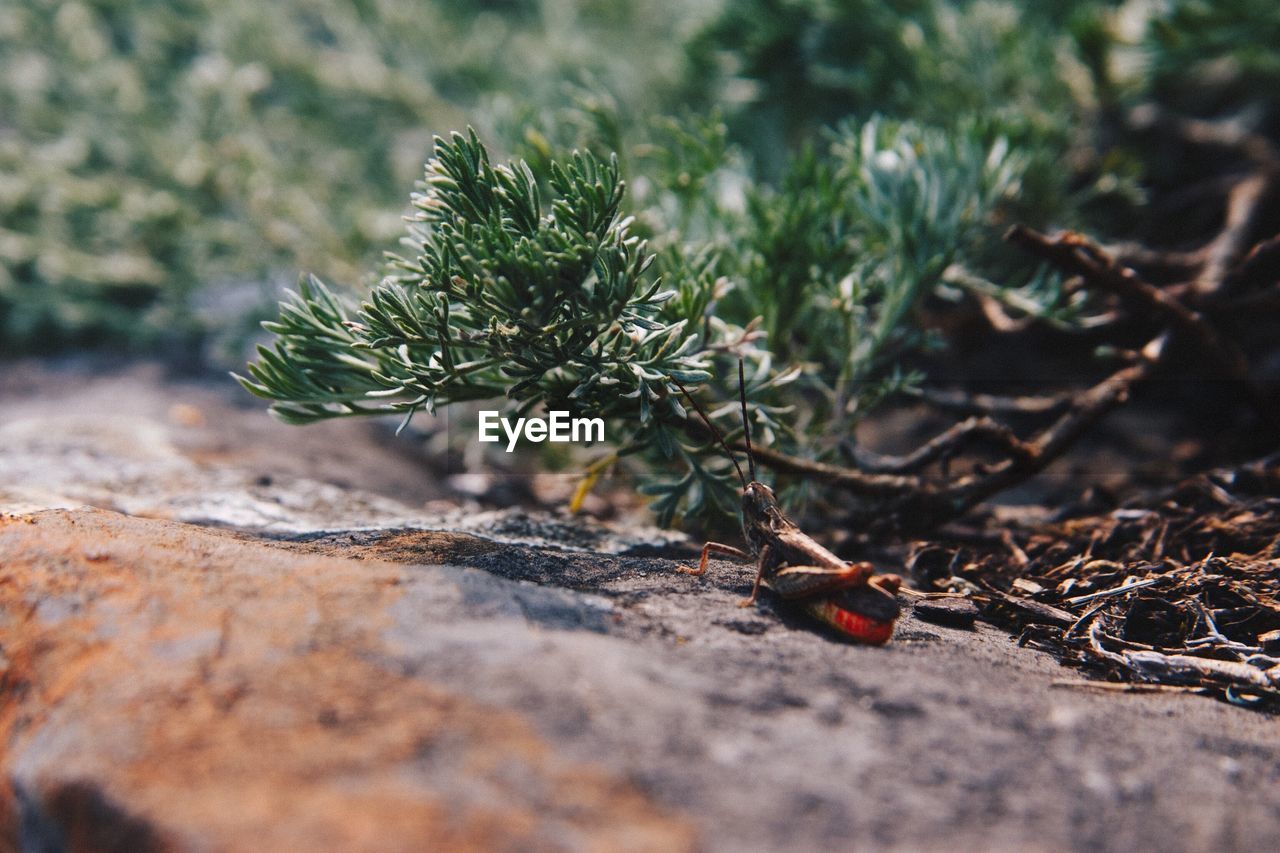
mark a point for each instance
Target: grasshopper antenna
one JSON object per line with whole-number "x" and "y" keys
{"x": 720, "y": 438}
{"x": 746, "y": 425}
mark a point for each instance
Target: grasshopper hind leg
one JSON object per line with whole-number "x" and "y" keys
{"x": 805, "y": 581}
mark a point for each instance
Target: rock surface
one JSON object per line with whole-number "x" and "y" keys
{"x": 308, "y": 684}
{"x": 144, "y": 444}
{"x": 169, "y": 686}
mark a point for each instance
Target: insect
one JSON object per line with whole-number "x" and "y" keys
{"x": 847, "y": 596}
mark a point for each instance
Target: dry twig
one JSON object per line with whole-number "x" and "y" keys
{"x": 1077, "y": 254}
{"x": 969, "y": 431}
{"x": 912, "y": 501}
{"x": 991, "y": 404}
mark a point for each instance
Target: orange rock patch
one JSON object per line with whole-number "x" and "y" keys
{"x": 167, "y": 686}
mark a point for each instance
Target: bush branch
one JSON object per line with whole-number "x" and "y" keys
{"x": 1077, "y": 254}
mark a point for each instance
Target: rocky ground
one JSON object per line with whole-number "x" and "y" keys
{"x": 217, "y": 632}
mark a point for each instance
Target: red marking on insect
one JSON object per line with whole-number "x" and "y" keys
{"x": 874, "y": 632}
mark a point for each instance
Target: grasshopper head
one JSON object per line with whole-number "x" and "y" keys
{"x": 757, "y": 500}
{"x": 761, "y": 516}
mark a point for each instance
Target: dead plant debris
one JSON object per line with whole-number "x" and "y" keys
{"x": 1181, "y": 592}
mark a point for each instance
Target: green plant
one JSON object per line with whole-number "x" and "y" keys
{"x": 531, "y": 287}
{"x": 784, "y": 68}
{"x": 1215, "y": 58}
{"x": 824, "y": 258}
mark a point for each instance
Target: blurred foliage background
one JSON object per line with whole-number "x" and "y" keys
{"x": 163, "y": 160}
{"x": 167, "y": 165}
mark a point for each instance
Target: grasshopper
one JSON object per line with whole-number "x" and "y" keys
{"x": 847, "y": 596}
